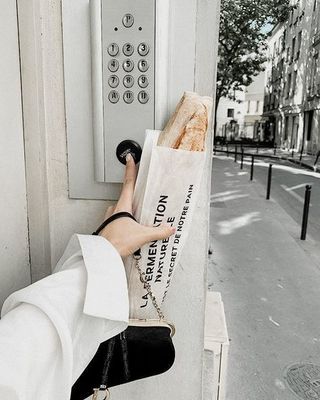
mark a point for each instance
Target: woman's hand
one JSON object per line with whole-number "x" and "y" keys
{"x": 126, "y": 235}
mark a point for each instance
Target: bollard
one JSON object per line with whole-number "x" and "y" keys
{"x": 305, "y": 212}
{"x": 292, "y": 153}
{"x": 242, "y": 153}
{"x": 275, "y": 150}
{"x": 252, "y": 167}
{"x": 235, "y": 153}
{"x": 257, "y": 148}
{"x": 269, "y": 182}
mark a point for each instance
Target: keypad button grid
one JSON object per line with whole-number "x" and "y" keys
{"x": 128, "y": 66}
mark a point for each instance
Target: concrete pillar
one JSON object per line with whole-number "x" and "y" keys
{"x": 14, "y": 252}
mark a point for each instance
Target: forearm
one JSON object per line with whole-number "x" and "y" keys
{"x": 70, "y": 312}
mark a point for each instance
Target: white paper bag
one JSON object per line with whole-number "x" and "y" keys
{"x": 166, "y": 193}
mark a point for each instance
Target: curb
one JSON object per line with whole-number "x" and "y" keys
{"x": 313, "y": 168}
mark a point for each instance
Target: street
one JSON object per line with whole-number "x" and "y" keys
{"x": 269, "y": 280}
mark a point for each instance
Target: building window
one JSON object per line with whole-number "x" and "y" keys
{"x": 293, "y": 48}
{"x": 314, "y": 70}
{"x": 286, "y": 128}
{"x": 288, "y": 85}
{"x": 309, "y": 114}
{"x": 284, "y": 37}
{"x": 294, "y": 82}
{"x": 299, "y": 45}
{"x": 314, "y": 5}
{"x": 257, "y": 106}
{"x": 280, "y": 68}
{"x": 279, "y": 46}
{"x": 291, "y": 18}
{"x": 288, "y": 54}
{"x": 230, "y": 113}
{"x": 248, "y": 108}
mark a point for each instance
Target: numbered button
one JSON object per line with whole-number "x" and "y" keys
{"x": 128, "y": 81}
{"x": 128, "y": 97}
{"x": 113, "y": 81}
{"x": 114, "y": 96}
{"x": 143, "y": 97}
{"x": 113, "y": 65}
{"x": 128, "y": 20}
{"x": 143, "y": 66}
{"x": 143, "y": 81}
{"x": 143, "y": 49}
{"x": 113, "y": 49}
{"x": 128, "y": 49}
{"x": 128, "y": 65}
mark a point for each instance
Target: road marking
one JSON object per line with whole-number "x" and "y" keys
{"x": 299, "y": 186}
{"x": 227, "y": 198}
{"x": 224, "y": 193}
{"x": 293, "y": 194}
{"x": 280, "y": 286}
{"x": 273, "y": 321}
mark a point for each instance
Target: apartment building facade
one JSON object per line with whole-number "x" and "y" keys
{"x": 253, "y": 122}
{"x": 241, "y": 119}
{"x": 292, "y": 88}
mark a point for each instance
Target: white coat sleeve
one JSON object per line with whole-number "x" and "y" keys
{"x": 50, "y": 330}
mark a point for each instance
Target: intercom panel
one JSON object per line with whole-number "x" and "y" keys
{"x": 94, "y": 126}
{"x": 123, "y": 78}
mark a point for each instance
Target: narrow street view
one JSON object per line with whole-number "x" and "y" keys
{"x": 268, "y": 278}
{"x": 264, "y": 254}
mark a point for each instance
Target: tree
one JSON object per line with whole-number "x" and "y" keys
{"x": 244, "y": 28}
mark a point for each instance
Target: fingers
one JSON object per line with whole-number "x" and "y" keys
{"x": 126, "y": 197}
{"x": 158, "y": 233}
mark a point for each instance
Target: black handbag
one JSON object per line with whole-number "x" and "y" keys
{"x": 144, "y": 349}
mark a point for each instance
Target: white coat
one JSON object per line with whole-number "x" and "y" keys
{"x": 50, "y": 330}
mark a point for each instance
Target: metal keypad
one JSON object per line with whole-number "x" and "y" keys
{"x": 128, "y": 66}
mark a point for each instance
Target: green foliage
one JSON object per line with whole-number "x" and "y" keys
{"x": 244, "y": 28}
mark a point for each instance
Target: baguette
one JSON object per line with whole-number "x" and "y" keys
{"x": 188, "y": 126}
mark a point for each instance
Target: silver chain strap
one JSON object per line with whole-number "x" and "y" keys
{"x": 147, "y": 286}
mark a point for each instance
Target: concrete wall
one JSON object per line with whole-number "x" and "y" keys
{"x": 54, "y": 217}
{"x": 14, "y": 252}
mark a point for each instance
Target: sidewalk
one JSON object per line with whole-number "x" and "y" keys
{"x": 270, "y": 285}
{"x": 307, "y": 161}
